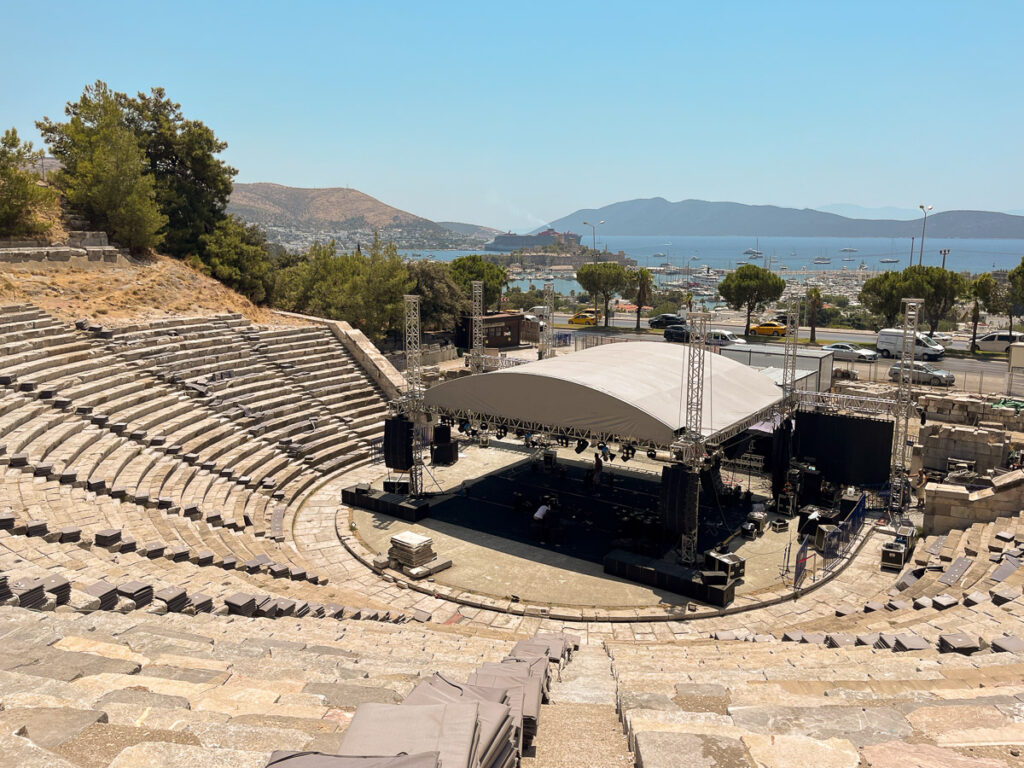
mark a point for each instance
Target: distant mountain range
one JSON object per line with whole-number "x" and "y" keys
{"x": 851, "y": 211}
{"x": 658, "y": 216}
{"x": 296, "y": 217}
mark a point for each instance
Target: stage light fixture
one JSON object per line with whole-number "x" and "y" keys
{"x": 501, "y": 432}
{"x": 463, "y": 427}
{"x": 581, "y": 445}
{"x": 485, "y": 427}
{"x": 652, "y": 454}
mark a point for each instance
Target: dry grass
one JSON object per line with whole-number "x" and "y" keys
{"x": 119, "y": 294}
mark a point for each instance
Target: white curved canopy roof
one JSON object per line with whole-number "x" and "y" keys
{"x": 631, "y": 390}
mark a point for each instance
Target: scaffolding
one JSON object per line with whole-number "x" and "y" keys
{"x": 410, "y": 404}
{"x": 789, "y": 356}
{"x": 476, "y": 357}
{"x": 689, "y": 448}
{"x": 898, "y": 485}
{"x": 546, "y": 347}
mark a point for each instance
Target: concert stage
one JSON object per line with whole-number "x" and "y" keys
{"x": 496, "y": 553}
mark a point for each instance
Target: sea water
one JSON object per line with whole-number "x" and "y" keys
{"x": 795, "y": 253}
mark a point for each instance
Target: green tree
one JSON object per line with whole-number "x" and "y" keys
{"x": 750, "y": 287}
{"x": 105, "y": 177}
{"x": 984, "y": 293}
{"x": 237, "y": 255}
{"x": 883, "y": 295}
{"x": 466, "y": 269}
{"x": 939, "y": 288}
{"x": 813, "y": 303}
{"x": 606, "y": 278}
{"x": 191, "y": 184}
{"x": 442, "y": 300}
{"x": 22, "y": 199}
{"x": 643, "y": 289}
{"x": 1014, "y": 297}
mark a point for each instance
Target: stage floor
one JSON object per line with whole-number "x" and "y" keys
{"x": 499, "y": 561}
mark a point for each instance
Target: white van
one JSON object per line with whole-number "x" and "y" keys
{"x": 720, "y": 338}
{"x": 538, "y": 311}
{"x": 890, "y": 344}
{"x": 998, "y": 341}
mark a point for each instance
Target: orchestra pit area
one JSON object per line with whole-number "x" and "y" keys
{"x": 181, "y": 584}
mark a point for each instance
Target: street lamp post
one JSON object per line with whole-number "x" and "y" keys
{"x": 944, "y": 253}
{"x": 593, "y": 231}
{"x": 920, "y": 257}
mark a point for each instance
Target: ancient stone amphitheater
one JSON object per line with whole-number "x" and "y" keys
{"x": 176, "y": 591}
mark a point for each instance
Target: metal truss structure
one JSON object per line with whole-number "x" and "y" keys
{"x": 789, "y": 351}
{"x": 898, "y": 485}
{"x": 690, "y": 448}
{"x": 546, "y": 348}
{"x": 410, "y": 404}
{"x": 476, "y": 355}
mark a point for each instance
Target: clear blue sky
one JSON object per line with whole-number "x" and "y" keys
{"x": 512, "y": 114}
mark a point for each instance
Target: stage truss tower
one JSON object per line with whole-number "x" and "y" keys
{"x": 476, "y": 358}
{"x": 546, "y": 348}
{"x": 410, "y": 404}
{"x": 898, "y": 486}
{"x": 689, "y": 448}
{"x": 789, "y": 358}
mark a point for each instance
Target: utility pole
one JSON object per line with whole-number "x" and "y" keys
{"x": 944, "y": 253}
{"x": 920, "y": 257}
{"x": 912, "y": 239}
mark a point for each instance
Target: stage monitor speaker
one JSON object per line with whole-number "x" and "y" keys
{"x": 397, "y": 486}
{"x": 442, "y": 434}
{"x": 444, "y": 455}
{"x": 679, "y": 489}
{"x": 810, "y": 487}
{"x": 398, "y": 444}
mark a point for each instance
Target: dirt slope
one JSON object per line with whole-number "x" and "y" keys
{"x": 113, "y": 294}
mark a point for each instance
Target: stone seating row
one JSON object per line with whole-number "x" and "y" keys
{"x": 111, "y": 459}
{"x": 139, "y": 689}
{"x": 179, "y": 531}
{"x": 774, "y": 703}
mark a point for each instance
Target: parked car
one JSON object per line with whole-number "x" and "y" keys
{"x": 535, "y": 319}
{"x": 843, "y": 351}
{"x": 769, "y": 328}
{"x": 677, "y": 333}
{"x": 940, "y": 338}
{"x": 720, "y": 338}
{"x": 538, "y": 311}
{"x": 584, "y": 317}
{"x": 890, "y": 344}
{"x": 664, "y": 321}
{"x": 925, "y": 373}
{"x": 997, "y": 341}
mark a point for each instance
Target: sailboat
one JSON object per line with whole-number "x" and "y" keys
{"x": 754, "y": 253}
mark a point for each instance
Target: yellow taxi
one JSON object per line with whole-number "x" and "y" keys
{"x": 770, "y": 328}
{"x": 584, "y": 317}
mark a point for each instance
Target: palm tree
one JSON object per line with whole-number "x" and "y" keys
{"x": 643, "y": 285}
{"x": 813, "y": 302}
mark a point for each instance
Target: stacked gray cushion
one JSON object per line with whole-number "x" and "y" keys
{"x": 498, "y": 742}
{"x": 106, "y": 593}
{"x": 59, "y": 587}
{"x": 200, "y": 602}
{"x": 175, "y": 598}
{"x": 241, "y": 603}
{"x": 29, "y": 591}
{"x": 5, "y": 589}
{"x": 451, "y": 730}
{"x": 137, "y": 591}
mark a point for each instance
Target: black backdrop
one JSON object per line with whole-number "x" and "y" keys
{"x": 847, "y": 449}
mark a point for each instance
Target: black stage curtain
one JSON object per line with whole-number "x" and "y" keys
{"x": 848, "y": 450}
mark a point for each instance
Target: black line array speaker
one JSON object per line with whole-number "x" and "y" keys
{"x": 442, "y": 434}
{"x": 444, "y": 454}
{"x": 398, "y": 444}
{"x": 679, "y": 489}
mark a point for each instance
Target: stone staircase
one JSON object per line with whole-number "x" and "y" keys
{"x": 580, "y": 724}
